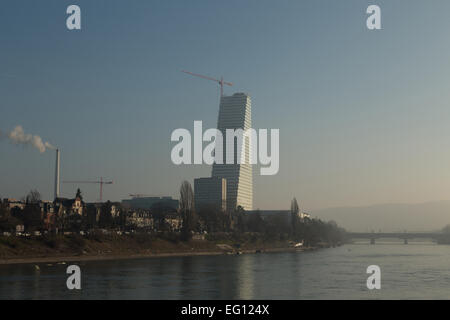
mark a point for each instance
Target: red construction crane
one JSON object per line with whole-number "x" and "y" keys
{"x": 101, "y": 182}
{"x": 221, "y": 82}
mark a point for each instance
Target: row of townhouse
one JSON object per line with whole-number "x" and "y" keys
{"x": 73, "y": 208}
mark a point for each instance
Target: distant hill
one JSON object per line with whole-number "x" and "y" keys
{"x": 429, "y": 216}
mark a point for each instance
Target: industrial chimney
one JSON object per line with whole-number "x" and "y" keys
{"x": 57, "y": 175}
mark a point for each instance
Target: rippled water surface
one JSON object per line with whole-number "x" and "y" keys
{"x": 413, "y": 271}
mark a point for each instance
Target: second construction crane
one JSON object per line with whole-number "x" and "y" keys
{"x": 220, "y": 81}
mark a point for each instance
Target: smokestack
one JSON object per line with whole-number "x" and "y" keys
{"x": 57, "y": 174}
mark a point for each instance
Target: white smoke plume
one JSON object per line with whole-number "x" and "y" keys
{"x": 18, "y": 136}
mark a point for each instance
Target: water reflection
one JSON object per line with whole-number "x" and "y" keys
{"x": 245, "y": 277}
{"x": 326, "y": 274}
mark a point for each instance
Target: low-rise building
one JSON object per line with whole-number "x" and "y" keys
{"x": 11, "y": 203}
{"x": 148, "y": 203}
{"x": 115, "y": 210}
{"x": 304, "y": 215}
{"x": 20, "y": 228}
{"x": 285, "y": 213}
{"x": 47, "y": 207}
{"x": 174, "y": 221}
{"x": 140, "y": 219}
{"x": 64, "y": 206}
{"x": 210, "y": 193}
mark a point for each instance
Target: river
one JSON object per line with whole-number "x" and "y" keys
{"x": 413, "y": 271}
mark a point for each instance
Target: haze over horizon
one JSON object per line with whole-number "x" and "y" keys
{"x": 431, "y": 216}
{"x": 363, "y": 116}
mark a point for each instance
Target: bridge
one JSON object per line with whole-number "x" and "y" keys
{"x": 405, "y": 236}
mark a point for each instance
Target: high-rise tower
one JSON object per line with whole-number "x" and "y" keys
{"x": 235, "y": 113}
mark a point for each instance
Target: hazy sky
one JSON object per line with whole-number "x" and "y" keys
{"x": 363, "y": 115}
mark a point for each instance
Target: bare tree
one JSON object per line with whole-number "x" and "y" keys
{"x": 187, "y": 209}
{"x": 294, "y": 215}
{"x": 3, "y": 211}
{"x": 294, "y": 207}
{"x": 186, "y": 197}
{"x": 31, "y": 215}
{"x": 33, "y": 197}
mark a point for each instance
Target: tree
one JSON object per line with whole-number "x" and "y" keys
{"x": 187, "y": 209}
{"x": 278, "y": 226}
{"x": 446, "y": 229}
{"x": 31, "y": 215}
{"x": 294, "y": 206}
{"x": 73, "y": 222}
{"x": 256, "y": 223}
{"x": 105, "y": 219}
{"x": 90, "y": 217}
{"x": 33, "y": 197}
{"x": 209, "y": 214}
{"x": 8, "y": 223}
{"x": 186, "y": 197}
{"x": 240, "y": 219}
{"x": 159, "y": 212}
{"x": 3, "y": 211}
{"x": 294, "y": 215}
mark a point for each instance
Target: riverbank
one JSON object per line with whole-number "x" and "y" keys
{"x": 67, "y": 259}
{"x": 75, "y": 248}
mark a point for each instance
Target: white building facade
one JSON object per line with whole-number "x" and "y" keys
{"x": 235, "y": 113}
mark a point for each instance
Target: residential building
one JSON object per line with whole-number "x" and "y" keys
{"x": 64, "y": 206}
{"x": 174, "y": 221}
{"x": 139, "y": 219}
{"x": 11, "y": 203}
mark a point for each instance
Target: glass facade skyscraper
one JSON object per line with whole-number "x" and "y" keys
{"x": 235, "y": 113}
